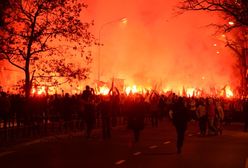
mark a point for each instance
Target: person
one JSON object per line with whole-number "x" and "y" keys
{"x": 105, "y": 111}
{"x": 89, "y": 111}
{"x": 192, "y": 109}
{"x": 67, "y": 111}
{"x": 136, "y": 117}
{"x": 180, "y": 117}
{"x": 114, "y": 96}
{"x": 201, "y": 114}
{"x": 219, "y": 117}
{"x": 211, "y": 111}
{"x": 154, "y": 109}
{"x": 87, "y": 93}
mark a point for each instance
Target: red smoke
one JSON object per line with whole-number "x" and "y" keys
{"x": 156, "y": 48}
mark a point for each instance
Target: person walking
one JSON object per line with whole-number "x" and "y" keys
{"x": 211, "y": 111}
{"x": 180, "y": 119}
{"x": 89, "y": 110}
{"x": 136, "y": 117}
{"x": 201, "y": 114}
{"x": 219, "y": 117}
{"x": 105, "y": 113}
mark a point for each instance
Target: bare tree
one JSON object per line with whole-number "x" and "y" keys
{"x": 41, "y": 37}
{"x": 235, "y": 16}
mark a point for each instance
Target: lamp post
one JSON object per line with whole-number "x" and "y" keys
{"x": 122, "y": 20}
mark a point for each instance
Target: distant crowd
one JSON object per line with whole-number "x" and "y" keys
{"x": 107, "y": 111}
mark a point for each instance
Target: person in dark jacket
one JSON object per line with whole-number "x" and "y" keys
{"x": 89, "y": 110}
{"x": 136, "y": 117}
{"x": 180, "y": 118}
{"x": 105, "y": 111}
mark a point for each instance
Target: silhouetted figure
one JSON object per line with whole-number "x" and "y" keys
{"x": 180, "y": 118}
{"x": 87, "y": 93}
{"x": 105, "y": 111}
{"x": 162, "y": 106}
{"x": 89, "y": 112}
{"x": 219, "y": 117}
{"x": 136, "y": 117}
{"x": 115, "y": 104}
{"x": 67, "y": 111}
{"x": 201, "y": 114}
{"x": 154, "y": 109}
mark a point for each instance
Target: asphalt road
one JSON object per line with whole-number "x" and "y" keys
{"x": 156, "y": 149}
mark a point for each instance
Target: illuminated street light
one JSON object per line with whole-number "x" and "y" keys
{"x": 122, "y": 20}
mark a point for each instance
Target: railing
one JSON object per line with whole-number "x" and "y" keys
{"x": 13, "y": 131}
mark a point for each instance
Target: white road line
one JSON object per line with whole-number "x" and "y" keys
{"x": 6, "y": 153}
{"x": 153, "y": 146}
{"x": 246, "y": 163}
{"x": 136, "y": 153}
{"x": 119, "y": 162}
{"x": 166, "y": 142}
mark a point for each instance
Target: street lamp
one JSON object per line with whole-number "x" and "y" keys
{"x": 122, "y": 20}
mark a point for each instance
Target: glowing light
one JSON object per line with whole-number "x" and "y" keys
{"x": 215, "y": 45}
{"x": 231, "y": 23}
{"x": 131, "y": 89}
{"x": 33, "y": 91}
{"x": 136, "y": 89}
{"x": 229, "y": 92}
{"x": 190, "y": 92}
{"x": 39, "y": 90}
{"x": 124, "y": 20}
{"x": 42, "y": 90}
{"x": 104, "y": 90}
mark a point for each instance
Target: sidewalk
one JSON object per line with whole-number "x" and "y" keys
{"x": 35, "y": 140}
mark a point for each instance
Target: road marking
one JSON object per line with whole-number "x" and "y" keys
{"x": 119, "y": 162}
{"x": 136, "y": 153}
{"x": 153, "y": 146}
{"x": 166, "y": 142}
{"x": 246, "y": 163}
{"x": 6, "y": 153}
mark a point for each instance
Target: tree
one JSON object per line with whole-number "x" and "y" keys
{"x": 235, "y": 16}
{"x": 42, "y": 37}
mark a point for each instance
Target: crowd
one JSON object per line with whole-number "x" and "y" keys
{"x": 86, "y": 111}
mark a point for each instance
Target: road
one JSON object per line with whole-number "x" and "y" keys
{"x": 156, "y": 149}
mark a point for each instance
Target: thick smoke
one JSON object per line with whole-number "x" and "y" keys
{"x": 156, "y": 47}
